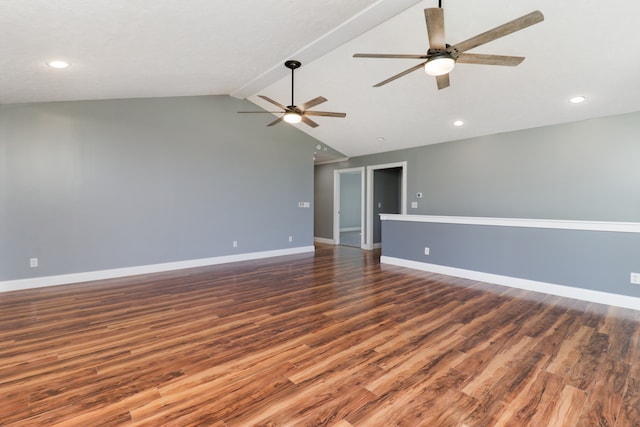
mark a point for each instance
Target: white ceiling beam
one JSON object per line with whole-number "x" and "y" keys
{"x": 374, "y": 15}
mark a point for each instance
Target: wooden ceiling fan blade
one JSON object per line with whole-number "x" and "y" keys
{"x": 324, "y": 114}
{"x": 434, "y": 17}
{"x": 259, "y": 112}
{"x": 477, "y": 58}
{"x": 389, "y": 55}
{"x": 312, "y": 103}
{"x": 306, "y": 120}
{"x": 443, "y": 81}
{"x": 397, "y": 76}
{"x": 501, "y": 31}
{"x": 276, "y": 121}
{"x": 277, "y": 104}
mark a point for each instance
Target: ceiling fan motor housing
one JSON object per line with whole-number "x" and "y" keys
{"x": 449, "y": 50}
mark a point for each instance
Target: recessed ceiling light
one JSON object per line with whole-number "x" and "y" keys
{"x": 58, "y": 64}
{"x": 458, "y": 123}
{"x": 577, "y": 99}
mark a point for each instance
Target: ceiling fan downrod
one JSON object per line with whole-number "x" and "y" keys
{"x": 292, "y": 65}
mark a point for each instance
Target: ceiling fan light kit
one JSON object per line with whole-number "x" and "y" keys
{"x": 292, "y": 117}
{"x": 439, "y": 64}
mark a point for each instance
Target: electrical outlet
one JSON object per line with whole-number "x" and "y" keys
{"x": 33, "y": 262}
{"x": 291, "y": 238}
{"x": 426, "y": 251}
{"x": 414, "y": 205}
{"x": 635, "y": 278}
{"x": 235, "y": 243}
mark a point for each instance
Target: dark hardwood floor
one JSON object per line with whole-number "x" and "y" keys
{"x": 332, "y": 339}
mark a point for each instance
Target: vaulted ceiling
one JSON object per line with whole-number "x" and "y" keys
{"x": 157, "y": 48}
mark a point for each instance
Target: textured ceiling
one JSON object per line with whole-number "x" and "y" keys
{"x": 150, "y": 48}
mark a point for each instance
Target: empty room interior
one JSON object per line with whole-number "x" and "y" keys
{"x": 289, "y": 213}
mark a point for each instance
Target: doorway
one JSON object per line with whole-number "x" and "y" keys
{"x": 349, "y": 207}
{"x": 386, "y": 193}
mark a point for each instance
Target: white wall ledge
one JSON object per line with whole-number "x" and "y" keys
{"x": 619, "y": 227}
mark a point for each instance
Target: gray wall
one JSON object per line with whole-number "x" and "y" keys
{"x": 94, "y": 185}
{"x": 585, "y": 170}
{"x": 594, "y": 260}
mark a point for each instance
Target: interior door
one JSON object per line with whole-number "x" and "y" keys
{"x": 349, "y": 207}
{"x": 386, "y": 193}
{"x": 387, "y": 190}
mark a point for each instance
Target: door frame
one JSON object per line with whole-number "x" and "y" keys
{"x": 403, "y": 196}
{"x": 336, "y": 203}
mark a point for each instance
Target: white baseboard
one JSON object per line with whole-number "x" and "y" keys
{"x": 323, "y": 240}
{"x": 64, "y": 279}
{"x": 514, "y": 282}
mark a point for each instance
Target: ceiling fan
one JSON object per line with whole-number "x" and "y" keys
{"x": 442, "y": 57}
{"x": 293, "y": 113}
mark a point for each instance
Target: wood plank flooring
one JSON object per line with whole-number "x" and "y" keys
{"x": 333, "y": 339}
